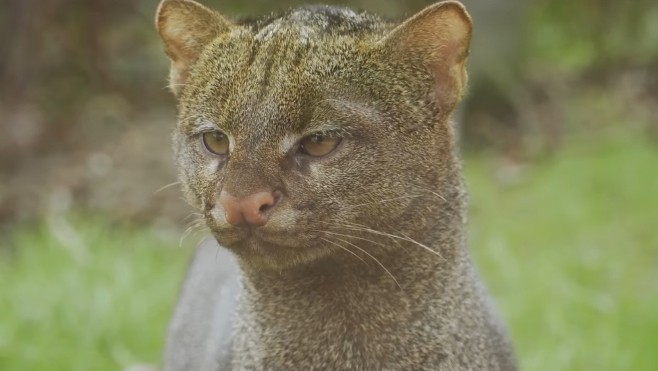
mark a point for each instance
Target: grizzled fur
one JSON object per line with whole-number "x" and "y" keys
{"x": 363, "y": 264}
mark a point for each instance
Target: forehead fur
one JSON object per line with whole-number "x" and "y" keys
{"x": 315, "y": 19}
{"x": 267, "y": 75}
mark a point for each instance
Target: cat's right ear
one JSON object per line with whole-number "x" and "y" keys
{"x": 186, "y": 27}
{"x": 438, "y": 37}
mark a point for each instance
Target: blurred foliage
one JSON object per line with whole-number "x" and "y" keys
{"x": 61, "y": 53}
{"x": 593, "y": 36}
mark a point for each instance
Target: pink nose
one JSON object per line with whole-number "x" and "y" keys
{"x": 253, "y": 210}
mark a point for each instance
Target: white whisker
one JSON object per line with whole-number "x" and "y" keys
{"x": 357, "y": 227}
{"x": 344, "y": 248}
{"x": 370, "y": 255}
{"x": 165, "y": 187}
{"x": 192, "y": 229}
{"x": 350, "y": 236}
{"x": 387, "y": 200}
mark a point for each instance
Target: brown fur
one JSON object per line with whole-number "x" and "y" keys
{"x": 363, "y": 265}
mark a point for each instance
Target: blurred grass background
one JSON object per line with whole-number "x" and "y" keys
{"x": 560, "y": 135}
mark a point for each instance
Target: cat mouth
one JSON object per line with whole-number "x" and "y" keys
{"x": 257, "y": 240}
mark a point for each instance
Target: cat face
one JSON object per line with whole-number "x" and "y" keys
{"x": 298, "y": 133}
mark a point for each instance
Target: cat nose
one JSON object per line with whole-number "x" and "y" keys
{"x": 253, "y": 210}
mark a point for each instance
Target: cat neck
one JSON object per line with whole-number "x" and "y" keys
{"x": 369, "y": 310}
{"x": 347, "y": 312}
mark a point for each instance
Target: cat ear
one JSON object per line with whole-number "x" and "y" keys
{"x": 438, "y": 37}
{"x": 186, "y": 27}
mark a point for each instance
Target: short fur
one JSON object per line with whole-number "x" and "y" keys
{"x": 363, "y": 264}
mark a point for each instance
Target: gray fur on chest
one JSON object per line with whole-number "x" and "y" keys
{"x": 449, "y": 336}
{"x": 444, "y": 335}
{"x": 200, "y": 332}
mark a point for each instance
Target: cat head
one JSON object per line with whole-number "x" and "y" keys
{"x": 297, "y": 130}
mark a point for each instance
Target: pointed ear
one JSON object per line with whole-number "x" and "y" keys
{"x": 186, "y": 27}
{"x": 438, "y": 37}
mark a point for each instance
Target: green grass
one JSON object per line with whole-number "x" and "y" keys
{"x": 571, "y": 254}
{"x": 570, "y": 251}
{"x": 86, "y": 295}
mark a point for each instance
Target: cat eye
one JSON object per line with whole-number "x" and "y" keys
{"x": 215, "y": 142}
{"x": 319, "y": 144}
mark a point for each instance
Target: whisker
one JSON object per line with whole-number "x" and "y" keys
{"x": 370, "y": 255}
{"x": 383, "y": 201}
{"x": 200, "y": 240}
{"x": 357, "y": 227}
{"x": 439, "y": 196}
{"x": 188, "y": 203}
{"x": 195, "y": 222}
{"x": 344, "y": 248}
{"x": 435, "y": 194}
{"x": 171, "y": 85}
{"x": 165, "y": 187}
{"x": 193, "y": 214}
{"x": 350, "y": 236}
{"x": 200, "y": 230}
{"x": 432, "y": 193}
{"x": 188, "y": 232}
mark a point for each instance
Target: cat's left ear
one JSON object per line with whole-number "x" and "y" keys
{"x": 186, "y": 27}
{"x": 439, "y": 38}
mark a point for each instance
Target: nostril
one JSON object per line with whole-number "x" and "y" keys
{"x": 253, "y": 210}
{"x": 263, "y": 208}
{"x": 270, "y": 201}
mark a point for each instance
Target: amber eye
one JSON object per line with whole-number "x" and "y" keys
{"x": 319, "y": 144}
{"x": 215, "y": 142}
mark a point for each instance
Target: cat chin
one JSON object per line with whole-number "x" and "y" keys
{"x": 264, "y": 254}
{"x": 254, "y": 240}
{"x": 283, "y": 262}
